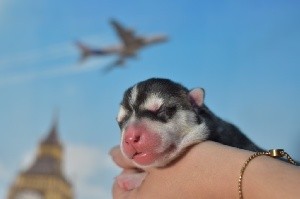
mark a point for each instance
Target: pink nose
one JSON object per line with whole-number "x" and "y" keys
{"x": 132, "y": 136}
{"x": 134, "y": 140}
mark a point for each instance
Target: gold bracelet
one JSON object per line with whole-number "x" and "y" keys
{"x": 272, "y": 153}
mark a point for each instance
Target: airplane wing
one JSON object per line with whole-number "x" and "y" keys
{"x": 126, "y": 35}
{"x": 118, "y": 63}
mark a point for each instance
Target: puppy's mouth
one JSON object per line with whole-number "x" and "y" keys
{"x": 146, "y": 158}
{"x": 135, "y": 154}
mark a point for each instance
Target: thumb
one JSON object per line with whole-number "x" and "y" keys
{"x": 119, "y": 158}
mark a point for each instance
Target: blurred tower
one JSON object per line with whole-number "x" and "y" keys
{"x": 44, "y": 179}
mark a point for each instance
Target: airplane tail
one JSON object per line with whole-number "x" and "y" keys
{"x": 84, "y": 50}
{"x": 87, "y": 51}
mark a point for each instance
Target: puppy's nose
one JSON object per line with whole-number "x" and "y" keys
{"x": 132, "y": 137}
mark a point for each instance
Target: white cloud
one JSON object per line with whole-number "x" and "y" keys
{"x": 83, "y": 161}
{"x": 62, "y": 70}
{"x": 48, "y": 56}
{"x": 29, "y": 57}
{"x": 84, "y": 164}
{"x": 27, "y": 159}
{"x": 91, "y": 191}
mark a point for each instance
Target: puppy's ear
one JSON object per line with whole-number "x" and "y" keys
{"x": 196, "y": 97}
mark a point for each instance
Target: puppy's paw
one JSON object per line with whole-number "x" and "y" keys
{"x": 129, "y": 181}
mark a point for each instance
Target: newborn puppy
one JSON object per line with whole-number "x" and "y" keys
{"x": 159, "y": 119}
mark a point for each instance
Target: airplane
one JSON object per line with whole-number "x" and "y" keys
{"x": 129, "y": 47}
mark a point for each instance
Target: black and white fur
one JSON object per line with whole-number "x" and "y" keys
{"x": 161, "y": 118}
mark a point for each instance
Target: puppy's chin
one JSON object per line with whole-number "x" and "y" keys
{"x": 149, "y": 160}
{"x": 145, "y": 158}
{"x": 155, "y": 163}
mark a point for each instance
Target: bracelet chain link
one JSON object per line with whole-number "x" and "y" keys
{"x": 276, "y": 153}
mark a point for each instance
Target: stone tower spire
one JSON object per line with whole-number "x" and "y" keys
{"x": 44, "y": 179}
{"x": 50, "y": 152}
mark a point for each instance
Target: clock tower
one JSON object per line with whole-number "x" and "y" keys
{"x": 44, "y": 179}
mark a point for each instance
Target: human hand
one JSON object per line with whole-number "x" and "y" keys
{"x": 193, "y": 176}
{"x": 171, "y": 182}
{"x": 129, "y": 179}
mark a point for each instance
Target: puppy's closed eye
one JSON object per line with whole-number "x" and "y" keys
{"x": 166, "y": 113}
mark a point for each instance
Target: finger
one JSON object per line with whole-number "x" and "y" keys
{"x": 118, "y": 192}
{"x": 121, "y": 192}
{"x": 119, "y": 158}
{"x": 130, "y": 179}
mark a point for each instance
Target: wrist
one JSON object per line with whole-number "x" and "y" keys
{"x": 220, "y": 168}
{"x": 209, "y": 170}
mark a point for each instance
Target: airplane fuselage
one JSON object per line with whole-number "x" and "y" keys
{"x": 129, "y": 47}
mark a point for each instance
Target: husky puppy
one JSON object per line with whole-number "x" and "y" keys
{"x": 160, "y": 118}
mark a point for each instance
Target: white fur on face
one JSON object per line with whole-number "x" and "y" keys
{"x": 181, "y": 131}
{"x": 122, "y": 113}
{"x": 152, "y": 103}
{"x": 133, "y": 95}
{"x": 181, "y": 125}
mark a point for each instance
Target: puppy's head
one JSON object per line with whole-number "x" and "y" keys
{"x": 158, "y": 119}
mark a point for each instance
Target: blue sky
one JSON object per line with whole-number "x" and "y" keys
{"x": 245, "y": 54}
